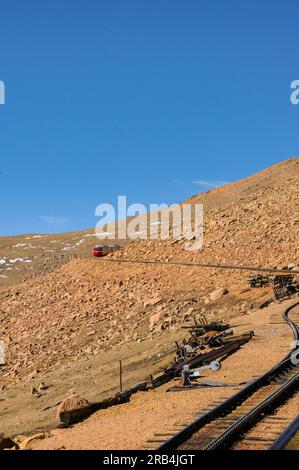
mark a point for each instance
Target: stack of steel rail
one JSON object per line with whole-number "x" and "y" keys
{"x": 190, "y": 353}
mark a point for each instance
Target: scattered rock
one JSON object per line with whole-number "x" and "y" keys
{"x": 152, "y": 301}
{"x": 114, "y": 303}
{"x": 291, "y": 266}
{"x": 218, "y": 293}
{"x": 42, "y": 387}
{"x": 154, "y": 319}
{"x": 294, "y": 267}
{"x": 158, "y": 328}
{"x": 33, "y": 374}
{"x": 24, "y": 443}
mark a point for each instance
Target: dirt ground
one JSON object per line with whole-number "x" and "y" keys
{"x": 95, "y": 377}
{"x": 75, "y": 348}
{"x": 130, "y": 425}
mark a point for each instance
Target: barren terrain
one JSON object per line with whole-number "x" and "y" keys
{"x": 66, "y": 321}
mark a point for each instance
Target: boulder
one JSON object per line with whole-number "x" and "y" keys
{"x": 152, "y": 301}
{"x": 33, "y": 374}
{"x": 7, "y": 443}
{"x": 293, "y": 267}
{"x": 154, "y": 319}
{"x": 218, "y": 293}
{"x": 25, "y": 442}
{"x": 73, "y": 409}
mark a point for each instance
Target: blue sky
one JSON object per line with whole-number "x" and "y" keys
{"x": 156, "y": 100}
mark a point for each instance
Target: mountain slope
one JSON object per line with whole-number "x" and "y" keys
{"x": 241, "y": 215}
{"x": 67, "y": 324}
{"x": 116, "y": 302}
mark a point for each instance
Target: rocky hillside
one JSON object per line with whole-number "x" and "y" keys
{"x": 25, "y": 257}
{"x": 249, "y": 215}
{"x": 88, "y": 306}
{"x": 251, "y": 222}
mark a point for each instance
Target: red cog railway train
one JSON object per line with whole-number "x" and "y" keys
{"x": 103, "y": 250}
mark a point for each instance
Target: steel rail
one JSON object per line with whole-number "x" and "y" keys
{"x": 235, "y": 400}
{"x": 244, "y": 423}
{"x": 201, "y": 265}
{"x": 286, "y": 435}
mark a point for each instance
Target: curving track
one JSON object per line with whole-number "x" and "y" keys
{"x": 226, "y": 424}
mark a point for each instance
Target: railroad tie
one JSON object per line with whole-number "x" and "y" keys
{"x": 153, "y": 441}
{"x": 259, "y": 439}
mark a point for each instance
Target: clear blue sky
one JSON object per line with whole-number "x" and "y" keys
{"x": 138, "y": 97}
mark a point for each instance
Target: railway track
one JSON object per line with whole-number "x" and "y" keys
{"x": 229, "y": 424}
{"x": 190, "y": 264}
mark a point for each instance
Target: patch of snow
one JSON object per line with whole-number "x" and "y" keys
{"x": 103, "y": 234}
{"x": 2, "y": 260}
{"x": 21, "y": 260}
{"x": 68, "y": 246}
{"x": 36, "y": 236}
{"x": 1, "y": 275}
{"x": 159, "y": 223}
{"x": 19, "y": 245}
